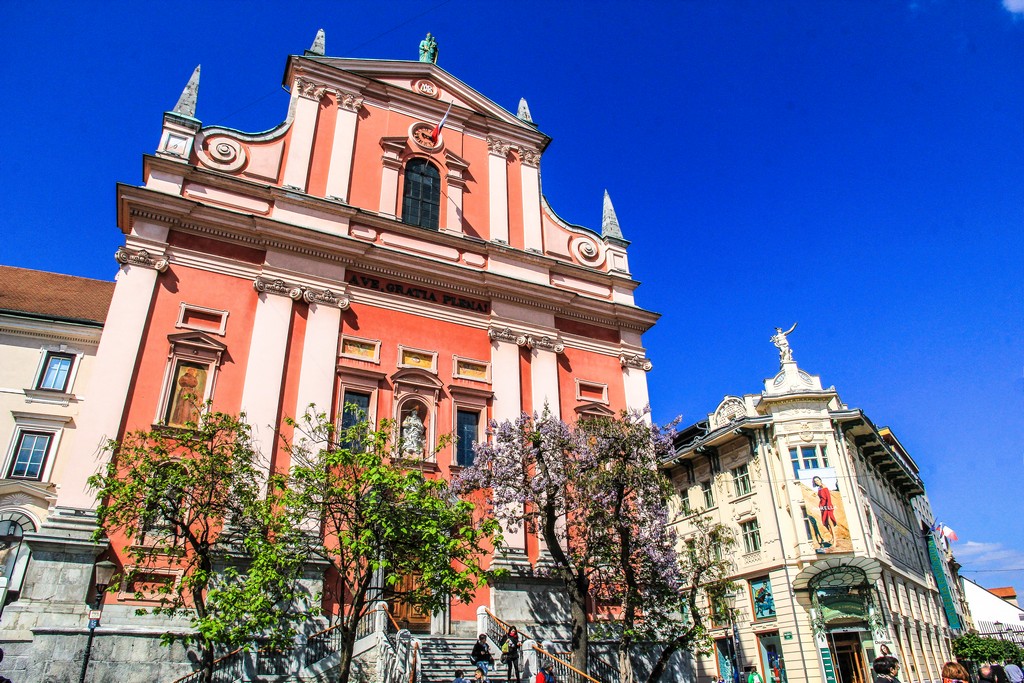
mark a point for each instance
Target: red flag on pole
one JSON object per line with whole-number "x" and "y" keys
{"x": 436, "y": 133}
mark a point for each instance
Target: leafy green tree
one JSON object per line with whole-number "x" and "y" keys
{"x": 196, "y": 501}
{"x": 980, "y": 649}
{"x": 377, "y": 520}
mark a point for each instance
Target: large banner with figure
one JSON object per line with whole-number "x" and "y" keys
{"x": 826, "y": 510}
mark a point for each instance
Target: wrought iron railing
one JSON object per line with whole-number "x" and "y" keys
{"x": 271, "y": 662}
{"x": 401, "y": 664}
{"x": 564, "y": 671}
{"x": 226, "y": 669}
{"x": 323, "y": 644}
{"x": 601, "y": 669}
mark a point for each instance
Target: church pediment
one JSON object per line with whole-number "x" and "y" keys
{"x": 427, "y": 80}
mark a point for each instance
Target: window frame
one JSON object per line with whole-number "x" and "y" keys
{"x": 16, "y": 454}
{"x": 188, "y": 347}
{"x": 750, "y": 533}
{"x": 799, "y": 460}
{"x": 184, "y": 309}
{"x": 747, "y": 487}
{"x": 35, "y": 423}
{"x": 707, "y": 488}
{"x": 457, "y": 362}
{"x": 471, "y": 400}
{"x": 420, "y": 201}
{"x": 597, "y": 387}
{"x": 71, "y": 358}
{"x": 459, "y": 445}
{"x": 360, "y": 340}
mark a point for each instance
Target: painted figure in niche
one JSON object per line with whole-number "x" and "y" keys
{"x": 826, "y": 508}
{"x": 413, "y": 432}
{"x": 189, "y": 389}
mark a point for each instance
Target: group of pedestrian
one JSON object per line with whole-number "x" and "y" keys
{"x": 1007, "y": 672}
{"x": 887, "y": 669}
{"x": 511, "y": 648}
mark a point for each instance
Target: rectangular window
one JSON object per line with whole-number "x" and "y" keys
{"x": 709, "y": 494}
{"x": 467, "y": 426}
{"x": 741, "y": 480}
{"x": 355, "y": 409}
{"x": 808, "y": 457}
{"x": 751, "y": 533}
{"x": 56, "y": 372}
{"x": 684, "y": 501}
{"x": 30, "y": 455}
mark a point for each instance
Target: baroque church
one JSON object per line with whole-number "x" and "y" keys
{"x": 388, "y": 245}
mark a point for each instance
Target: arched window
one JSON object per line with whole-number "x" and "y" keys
{"x": 14, "y": 554}
{"x": 421, "y": 201}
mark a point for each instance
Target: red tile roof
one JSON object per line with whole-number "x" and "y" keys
{"x": 1004, "y": 592}
{"x": 54, "y": 295}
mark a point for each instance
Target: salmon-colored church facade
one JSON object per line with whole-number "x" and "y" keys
{"x": 352, "y": 255}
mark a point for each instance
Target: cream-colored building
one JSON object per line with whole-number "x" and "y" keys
{"x": 50, "y": 327}
{"x": 831, "y": 564}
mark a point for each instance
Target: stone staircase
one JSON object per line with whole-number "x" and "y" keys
{"x": 440, "y": 656}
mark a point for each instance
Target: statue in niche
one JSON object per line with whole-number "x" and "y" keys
{"x": 413, "y": 432}
{"x": 428, "y": 49}
{"x": 782, "y": 343}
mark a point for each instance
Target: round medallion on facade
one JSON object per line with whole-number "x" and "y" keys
{"x": 730, "y": 409}
{"x": 421, "y": 134}
{"x": 426, "y": 87}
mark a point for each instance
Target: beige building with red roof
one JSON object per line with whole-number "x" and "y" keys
{"x": 50, "y": 328}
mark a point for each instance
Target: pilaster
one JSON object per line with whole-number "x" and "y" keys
{"x": 264, "y": 370}
{"x": 339, "y": 173}
{"x": 320, "y": 350}
{"x": 530, "y": 173}
{"x": 112, "y": 372}
{"x": 300, "y": 141}
{"x": 497, "y": 183}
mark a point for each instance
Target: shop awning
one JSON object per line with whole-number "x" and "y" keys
{"x": 863, "y": 570}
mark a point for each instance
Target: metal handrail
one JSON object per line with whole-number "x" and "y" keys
{"x": 563, "y": 669}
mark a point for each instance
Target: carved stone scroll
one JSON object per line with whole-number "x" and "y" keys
{"x": 325, "y": 297}
{"x": 498, "y": 146}
{"x": 546, "y": 344}
{"x": 277, "y": 286}
{"x": 507, "y": 335}
{"x": 140, "y": 258}
{"x": 635, "y": 360}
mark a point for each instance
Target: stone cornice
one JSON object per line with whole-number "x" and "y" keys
{"x": 187, "y": 215}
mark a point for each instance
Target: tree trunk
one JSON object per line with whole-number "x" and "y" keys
{"x": 206, "y": 661}
{"x": 578, "y": 589}
{"x": 659, "y": 667}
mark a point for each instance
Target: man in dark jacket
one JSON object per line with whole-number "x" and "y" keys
{"x": 481, "y": 656}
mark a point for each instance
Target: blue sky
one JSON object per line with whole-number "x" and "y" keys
{"x": 854, "y": 166}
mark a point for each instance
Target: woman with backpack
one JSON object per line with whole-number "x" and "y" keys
{"x": 511, "y": 645}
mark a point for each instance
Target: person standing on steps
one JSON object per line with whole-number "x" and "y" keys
{"x": 482, "y": 658}
{"x": 511, "y": 645}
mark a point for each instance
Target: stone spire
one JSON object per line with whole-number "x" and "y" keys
{"x": 524, "y": 111}
{"x": 186, "y": 105}
{"x": 609, "y": 221}
{"x": 319, "y": 44}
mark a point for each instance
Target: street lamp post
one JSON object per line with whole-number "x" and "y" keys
{"x": 999, "y": 629}
{"x": 734, "y": 635}
{"x": 104, "y": 573}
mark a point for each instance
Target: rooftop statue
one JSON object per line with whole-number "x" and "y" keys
{"x": 428, "y": 49}
{"x": 782, "y": 343}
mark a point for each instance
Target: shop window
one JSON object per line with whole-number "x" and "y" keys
{"x": 741, "y": 480}
{"x": 421, "y": 199}
{"x": 762, "y": 598}
{"x": 14, "y": 552}
{"x": 750, "y": 531}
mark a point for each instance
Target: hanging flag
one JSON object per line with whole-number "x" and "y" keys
{"x": 436, "y": 133}
{"x": 948, "y": 533}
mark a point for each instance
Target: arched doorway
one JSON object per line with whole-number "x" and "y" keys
{"x": 14, "y": 553}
